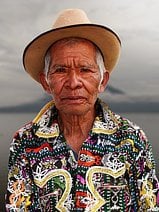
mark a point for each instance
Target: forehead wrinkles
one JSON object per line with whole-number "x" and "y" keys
{"x": 74, "y": 61}
{"x": 83, "y": 49}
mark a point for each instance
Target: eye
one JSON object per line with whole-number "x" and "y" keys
{"x": 85, "y": 69}
{"x": 60, "y": 70}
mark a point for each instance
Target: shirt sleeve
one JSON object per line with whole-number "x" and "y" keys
{"x": 19, "y": 187}
{"x": 147, "y": 181}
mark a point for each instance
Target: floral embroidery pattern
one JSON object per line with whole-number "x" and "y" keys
{"x": 115, "y": 169}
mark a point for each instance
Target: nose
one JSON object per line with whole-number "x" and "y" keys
{"x": 74, "y": 79}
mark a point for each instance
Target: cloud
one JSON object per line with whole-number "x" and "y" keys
{"x": 136, "y": 22}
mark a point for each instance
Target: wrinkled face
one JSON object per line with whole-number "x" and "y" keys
{"x": 73, "y": 78}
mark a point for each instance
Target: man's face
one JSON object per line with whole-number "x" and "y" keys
{"x": 73, "y": 78}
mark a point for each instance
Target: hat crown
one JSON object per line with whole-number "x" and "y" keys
{"x": 71, "y": 23}
{"x": 71, "y": 17}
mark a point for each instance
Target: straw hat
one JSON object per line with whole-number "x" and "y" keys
{"x": 71, "y": 23}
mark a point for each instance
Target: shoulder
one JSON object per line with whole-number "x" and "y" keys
{"x": 125, "y": 129}
{"x": 21, "y": 138}
{"x": 27, "y": 133}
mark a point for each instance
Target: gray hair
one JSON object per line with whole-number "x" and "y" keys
{"x": 99, "y": 57}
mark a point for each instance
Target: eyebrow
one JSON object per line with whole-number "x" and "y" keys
{"x": 60, "y": 65}
{"x": 78, "y": 66}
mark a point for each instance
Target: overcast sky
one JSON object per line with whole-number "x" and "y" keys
{"x": 136, "y": 22}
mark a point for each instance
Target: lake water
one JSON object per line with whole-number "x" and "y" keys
{"x": 9, "y": 123}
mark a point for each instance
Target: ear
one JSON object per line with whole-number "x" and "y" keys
{"x": 44, "y": 82}
{"x": 104, "y": 82}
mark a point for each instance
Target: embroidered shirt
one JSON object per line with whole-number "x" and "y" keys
{"x": 114, "y": 171}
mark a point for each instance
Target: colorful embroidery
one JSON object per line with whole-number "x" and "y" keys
{"x": 115, "y": 170}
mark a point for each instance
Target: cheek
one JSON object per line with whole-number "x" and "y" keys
{"x": 92, "y": 83}
{"x": 55, "y": 86}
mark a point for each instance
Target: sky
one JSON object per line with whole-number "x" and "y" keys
{"x": 135, "y": 22}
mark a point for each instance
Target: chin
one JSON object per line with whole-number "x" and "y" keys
{"x": 75, "y": 110}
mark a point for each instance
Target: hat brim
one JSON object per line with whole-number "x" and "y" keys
{"x": 104, "y": 38}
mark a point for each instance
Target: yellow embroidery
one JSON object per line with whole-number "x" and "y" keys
{"x": 42, "y": 111}
{"x": 100, "y": 201}
{"x": 17, "y": 197}
{"x": 47, "y": 135}
{"x": 104, "y": 131}
{"x": 147, "y": 193}
{"x": 130, "y": 141}
{"x": 68, "y": 184}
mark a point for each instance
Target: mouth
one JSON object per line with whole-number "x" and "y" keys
{"x": 73, "y": 99}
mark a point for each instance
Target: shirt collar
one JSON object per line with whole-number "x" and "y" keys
{"x": 46, "y": 125}
{"x": 106, "y": 122}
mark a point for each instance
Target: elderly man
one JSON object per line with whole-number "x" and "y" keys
{"x": 77, "y": 155}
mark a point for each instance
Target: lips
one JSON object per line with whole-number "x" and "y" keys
{"x": 73, "y": 98}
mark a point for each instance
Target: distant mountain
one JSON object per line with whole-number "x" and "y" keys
{"x": 116, "y": 99}
{"x": 114, "y": 90}
{"x": 118, "y": 104}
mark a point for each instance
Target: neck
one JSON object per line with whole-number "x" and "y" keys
{"x": 76, "y": 128}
